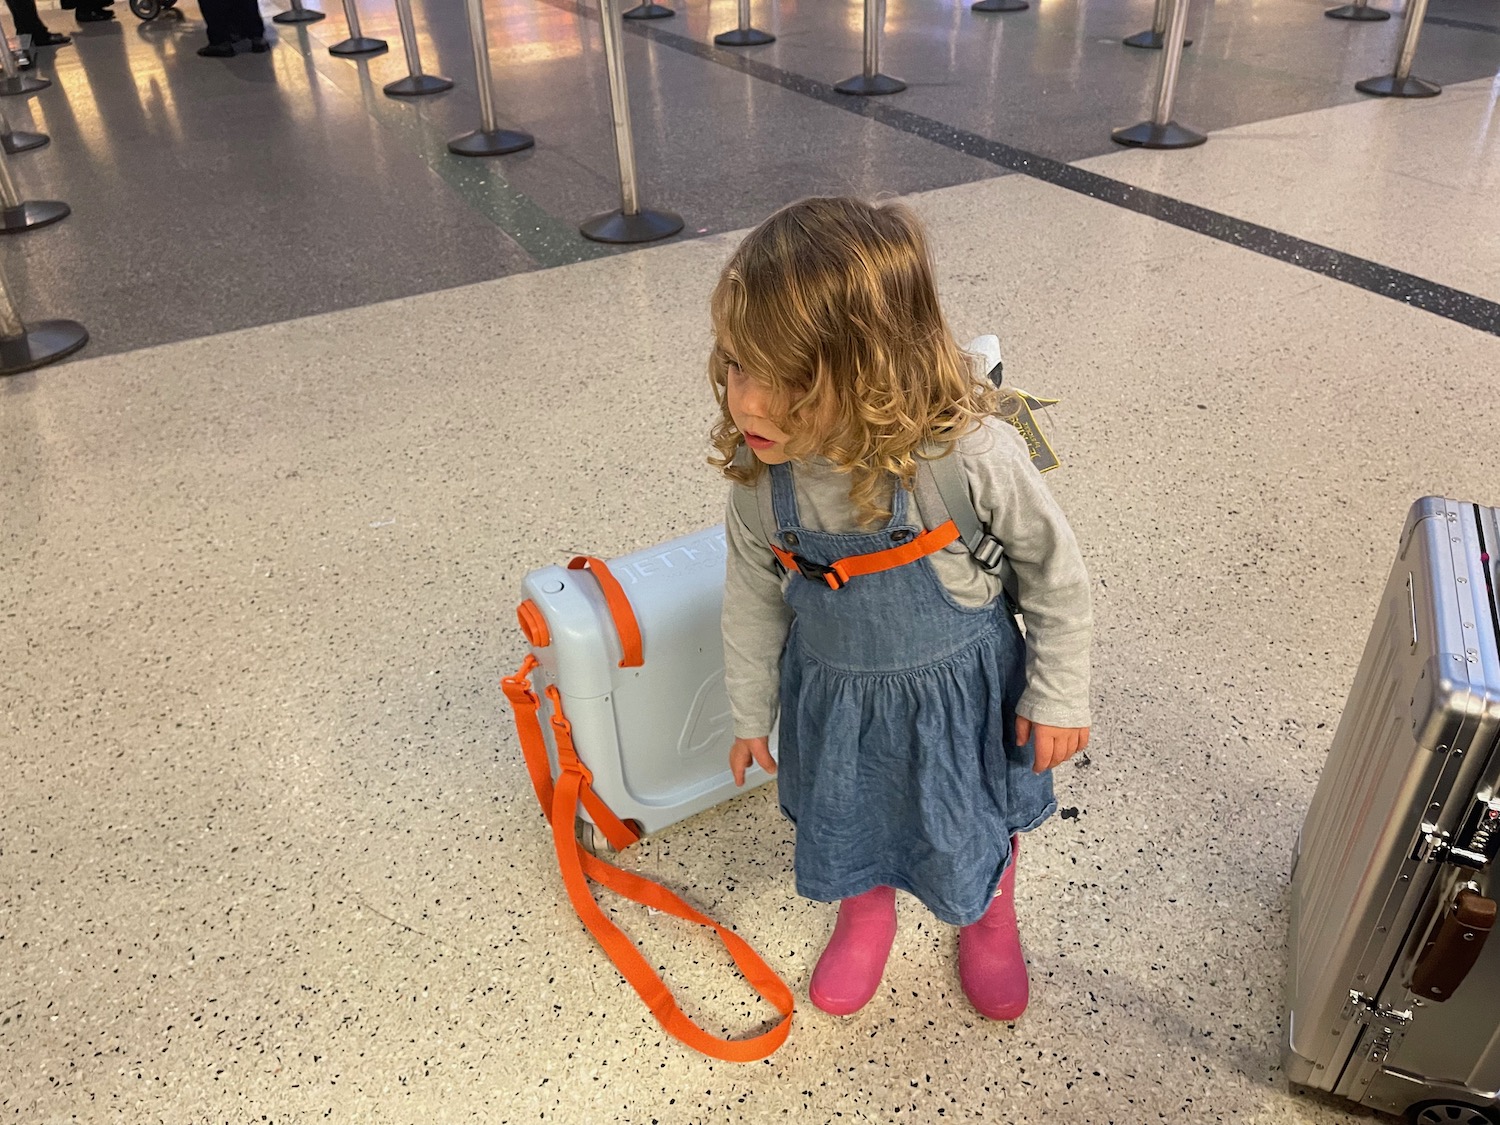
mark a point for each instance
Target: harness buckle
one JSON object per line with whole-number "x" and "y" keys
{"x": 817, "y": 572}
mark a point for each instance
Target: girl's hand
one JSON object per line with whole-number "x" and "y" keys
{"x": 1054, "y": 745}
{"x": 746, "y": 749}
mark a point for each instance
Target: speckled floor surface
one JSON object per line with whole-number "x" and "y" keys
{"x": 267, "y": 848}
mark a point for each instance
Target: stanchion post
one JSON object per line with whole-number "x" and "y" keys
{"x": 1401, "y": 83}
{"x": 15, "y": 83}
{"x": 17, "y": 214}
{"x": 649, "y": 11}
{"x": 1161, "y": 131}
{"x": 358, "y": 42}
{"x": 46, "y": 341}
{"x": 298, "y": 14}
{"x": 871, "y": 82}
{"x": 744, "y": 35}
{"x": 415, "y": 84}
{"x": 630, "y": 223}
{"x": 489, "y": 139}
{"x": 999, "y": 6}
{"x": 1152, "y": 40}
{"x": 19, "y": 140}
{"x": 1359, "y": 11}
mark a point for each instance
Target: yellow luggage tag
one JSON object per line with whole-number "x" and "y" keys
{"x": 1043, "y": 456}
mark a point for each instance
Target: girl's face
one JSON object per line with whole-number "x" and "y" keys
{"x": 751, "y": 406}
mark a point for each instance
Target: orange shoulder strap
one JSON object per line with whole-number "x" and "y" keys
{"x": 560, "y": 804}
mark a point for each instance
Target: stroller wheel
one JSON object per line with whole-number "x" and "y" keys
{"x": 146, "y": 9}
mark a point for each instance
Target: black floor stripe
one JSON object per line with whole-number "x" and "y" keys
{"x": 1398, "y": 285}
{"x": 1465, "y": 25}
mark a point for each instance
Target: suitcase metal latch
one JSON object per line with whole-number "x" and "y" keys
{"x": 1387, "y": 1024}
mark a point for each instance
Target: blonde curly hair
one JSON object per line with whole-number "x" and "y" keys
{"x": 831, "y": 305}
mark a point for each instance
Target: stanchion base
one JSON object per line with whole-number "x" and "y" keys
{"x": 1151, "y": 40}
{"x": 744, "y": 37}
{"x": 306, "y": 15}
{"x": 645, "y": 226}
{"x": 495, "y": 142}
{"x": 363, "y": 45}
{"x": 415, "y": 85}
{"x": 32, "y": 214}
{"x": 1389, "y": 86}
{"x": 1359, "y": 14}
{"x": 648, "y": 12}
{"x": 22, "y": 84}
{"x": 1148, "y": 134}
{"x": 869, "y": 86}
{"x": 20, "y": 140}
{"x": 44, "y": 342}
{"x": 999, "y": 6}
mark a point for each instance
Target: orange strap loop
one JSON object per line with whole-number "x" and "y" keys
{"x": 837, "y": 574}
{"x": 619, "y": 608}
{"x": 560, "y": 803}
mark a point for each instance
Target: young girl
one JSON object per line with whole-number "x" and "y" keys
{"x": 917, "y": 726}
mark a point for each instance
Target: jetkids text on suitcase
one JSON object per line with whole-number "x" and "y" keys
{"x": 1393, "y": 984}
{"x": 629, "y": 725}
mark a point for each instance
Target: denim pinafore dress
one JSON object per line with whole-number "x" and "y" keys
{"x": 898, "y": 760}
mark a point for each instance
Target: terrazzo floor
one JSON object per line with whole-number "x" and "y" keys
{"x": 268, "y": 851}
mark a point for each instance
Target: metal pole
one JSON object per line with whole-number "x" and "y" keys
{"x": 489, "y": 139}
{"x": 15, "y": 83}
{"x": 298, "y": 14}
{"x": 1359, "y": 11}
{"x": 23, "y": 349}
{"x": 871, "y": 81}
{"x": 415, "y": 84}
{"x": 649, "y": 11}
{"x": 1401, "y": 83}
{"x": 630, "y": 223}
{"x": 1161, "y": 131}
{"x": 19, "y": 140}
{"x": 744, "y": 35}
{"x": 1152, "y": 40}
{"x": 17, "y": 214}
{"x": 358, "y": 43}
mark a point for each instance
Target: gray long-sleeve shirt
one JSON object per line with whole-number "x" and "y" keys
{"x": 1016, "y": 506}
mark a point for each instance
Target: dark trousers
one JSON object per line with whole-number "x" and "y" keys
{"x": 25, "y": 15}
{"x": 229, "y": 20}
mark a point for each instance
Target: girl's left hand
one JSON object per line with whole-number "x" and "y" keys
{"x": 1054, "y": 745}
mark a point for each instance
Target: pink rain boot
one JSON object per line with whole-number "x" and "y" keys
{"x": 849, "y": 971}
{"x": 991, "y": 966}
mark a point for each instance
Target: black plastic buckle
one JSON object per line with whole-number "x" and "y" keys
{"x": 817, "y": 572}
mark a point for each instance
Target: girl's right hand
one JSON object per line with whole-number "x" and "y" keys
{"x": 744, "y": 751}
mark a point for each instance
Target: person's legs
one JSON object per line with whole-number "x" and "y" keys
{"x": 248, "y": 22}
{"x": 219, "y": 16}
{"x": 850, "y": 969}
{"x": 991, "y": 965}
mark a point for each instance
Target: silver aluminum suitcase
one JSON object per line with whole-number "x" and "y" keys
{"x": 1393, "y": 991}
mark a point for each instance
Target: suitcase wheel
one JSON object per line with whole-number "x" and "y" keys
{"x": 1445, "y": 1112}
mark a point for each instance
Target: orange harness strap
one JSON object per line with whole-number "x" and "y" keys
{"x": 560, "y": 803}
{"x": 838, "y": 574}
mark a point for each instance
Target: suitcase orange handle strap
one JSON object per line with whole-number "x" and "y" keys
{"x": 837, "y": 574}
{"x": 560, "y": 804}
{"x": 619, "y": 609}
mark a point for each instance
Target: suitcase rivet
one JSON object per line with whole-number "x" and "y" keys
{"x": 1463, "y": 581}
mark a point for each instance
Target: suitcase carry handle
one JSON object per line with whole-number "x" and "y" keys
{"x": 620, "y": 609}
{"x": 1453, "y": 950}
{"x": 560, "y": 803}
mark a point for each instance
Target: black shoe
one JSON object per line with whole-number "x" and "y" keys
{"x": 96, "y": 15}
{"x": 259, "y": 46}
{"x": 217, "y": 51}
{"x": 50, "y": 39}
